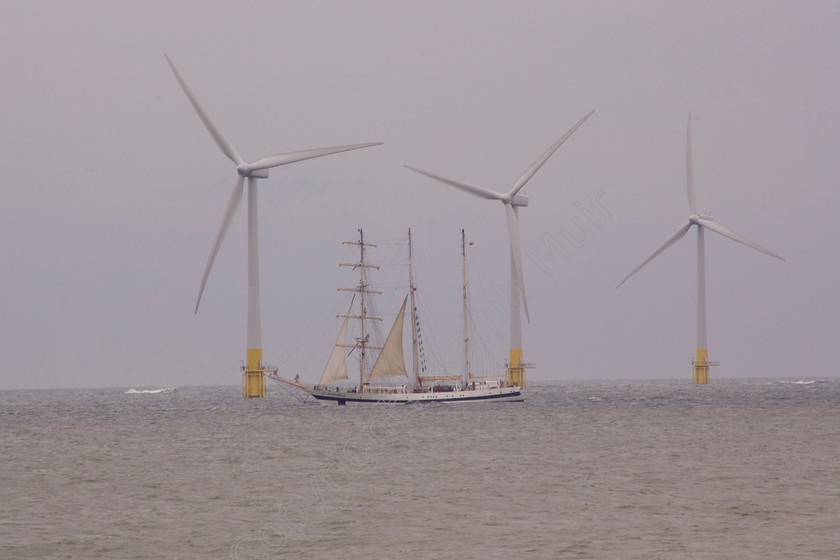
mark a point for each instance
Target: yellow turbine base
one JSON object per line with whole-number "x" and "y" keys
{"x": 701, "y": 367}
{"x": 253, "y": 384}
{"x": 253, "y": 378}
{"x": 516, "y": 369}
{"x": 254, "y": 360}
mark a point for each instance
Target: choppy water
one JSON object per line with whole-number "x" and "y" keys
{"x": 648, "y": 469}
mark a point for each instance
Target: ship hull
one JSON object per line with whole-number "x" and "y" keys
{"x": 401, "y": 395}
{"x": 503, "y": 394}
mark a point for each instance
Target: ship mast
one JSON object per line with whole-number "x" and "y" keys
{"x": 467, "y": 375}
{"x": 411, "y": 288}
{"x": 364, "y": 338}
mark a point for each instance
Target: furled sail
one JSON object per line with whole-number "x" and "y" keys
{"x": 390, "y": 362}
{"x": 336, "y": 369}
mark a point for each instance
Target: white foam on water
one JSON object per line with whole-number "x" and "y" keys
{"x": 151, "y": 391}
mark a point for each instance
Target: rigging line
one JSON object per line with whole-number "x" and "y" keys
{"x": 294, "y": 393}
{"x": 350, "y": 307}
{"x": 476, "y": 331}
{"x": 295, "y": 349}
{"x": 433, "y": 348}
{"x": 320, "y": 321}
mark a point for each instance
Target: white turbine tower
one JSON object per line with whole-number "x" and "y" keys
{"x": 512, "y": 200}
{"x": 253, "y": 380}
{"x": 701, "y": 362}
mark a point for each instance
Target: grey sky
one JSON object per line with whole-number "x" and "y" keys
{"x": 113, "y": 191}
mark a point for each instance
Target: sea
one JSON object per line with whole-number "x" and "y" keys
{"x": 739, "y": 468}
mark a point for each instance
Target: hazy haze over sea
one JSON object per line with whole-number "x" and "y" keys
{"x": 114, "y": 191}
{"x": 587, "y": 469}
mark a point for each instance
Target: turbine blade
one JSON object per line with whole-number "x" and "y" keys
{"x": 472, "y": 189}
{"x": 218, "y": 137}
{"x": 676, "y": 236}
{"x": 232, "y": 206}
{"x": 717, "y": 228}
{"x": 516, "y": 251}
{"x": 292, "y": 157}
{"x": 543, "y": 158}
{"x": 689, "y": 170}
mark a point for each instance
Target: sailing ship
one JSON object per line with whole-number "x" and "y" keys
{"x": 390, "y": 362}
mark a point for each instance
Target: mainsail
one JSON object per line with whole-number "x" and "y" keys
{"x": 390, "y": 362}
{"x": 336, "y": 369}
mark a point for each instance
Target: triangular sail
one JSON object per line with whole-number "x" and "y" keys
{"x": 336, "y": 369}
{"x": 391, "y": 362}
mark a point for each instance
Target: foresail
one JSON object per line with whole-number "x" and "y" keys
{"x": 336, "y": 369}
{"x": 390, "y": 362}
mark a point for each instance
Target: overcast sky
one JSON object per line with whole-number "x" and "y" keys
{"x": 113, "y": 191}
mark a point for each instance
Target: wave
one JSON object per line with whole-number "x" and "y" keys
{"x": 151, "y": 391}
{"x": 798, "y": 382}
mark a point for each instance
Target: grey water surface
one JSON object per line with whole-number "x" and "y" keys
{"x": 582, "y": 469}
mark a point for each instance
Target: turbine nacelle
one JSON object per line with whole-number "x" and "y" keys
{"x": 244, "y": 170}
{"x": 517, "y": 200}
{"x": 697, "y": 219}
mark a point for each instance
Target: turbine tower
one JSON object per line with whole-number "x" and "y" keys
{"x": 512, "y": 201}
{"x": 253, "y": 376}
{"x": 701, "y": 362}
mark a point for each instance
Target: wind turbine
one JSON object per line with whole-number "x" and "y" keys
{"x": 701, "y": 363}
{"x": 512, "y": 201}
{"x": 253, "y": 379}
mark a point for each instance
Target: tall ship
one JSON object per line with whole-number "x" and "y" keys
{"x": 334, "y": 386}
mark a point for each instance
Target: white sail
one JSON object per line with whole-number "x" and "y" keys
{"x": 336, "y": 369}
{"x": 390, "y": 362}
